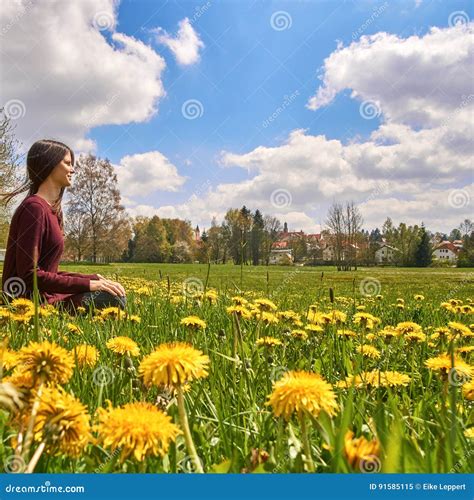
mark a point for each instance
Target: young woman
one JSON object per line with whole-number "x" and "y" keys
{"x": 36, "y": 235}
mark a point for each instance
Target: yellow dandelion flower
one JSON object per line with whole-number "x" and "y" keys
{"x": 112, "y": 313}
{"x": 368, "y": 351}
{"x": 62, "y": 422}
{"x": 444, "y": 366}
{"x": 288, "y": 315}
{"x": 419, "y": 297}
{"x": 193, "y": 323}
{"x": 240, "y": 301}
{"x": 134, "y": 318}
{"x": 124, "y": 346}
{"x": 23, "y": 307}
{"x": 465, "y": 350}
{"x": 299, "y": 392}
{"x": 415, "y": 337}
{"x": 146, "y": 291}
{"x": 459, "y": 329}
{"x": 268, "y": 318}
{"x": 406, "y": 327}
{"x": 299, "y": 334}
{"x": 8, "y": 359}
{"x": 366, "y": 320}
{"x": 314, "y": 328}
{"x": 265, "y": 305}
{"x": 468, "y": 390}
{"x": 240, "y": 311}
{"x": 268, "y": 342}
{"x": 211, "y": 296}
{"x": 346, "y": 333}
{"x": 73, "y": 328}
{"x": 46, "y": 361}
{"x": 376, "y": 378}
{"x": 469, "y": 433}
{"x": 359, "y": 451}
{"x": 137, "y": 429}
{"x": 86, "y": 355}
{"x": 174, "y": 364}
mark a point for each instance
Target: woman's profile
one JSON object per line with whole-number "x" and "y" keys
{"x": 36, "y": 237}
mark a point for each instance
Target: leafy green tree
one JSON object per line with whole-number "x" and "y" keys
{"x": 423, "y": 251}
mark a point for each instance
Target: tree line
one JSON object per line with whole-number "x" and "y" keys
{"x": 98, "y": 228}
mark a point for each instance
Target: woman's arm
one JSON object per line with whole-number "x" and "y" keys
{"x": 31, "y": 225}
{"x": 90, "y": 276}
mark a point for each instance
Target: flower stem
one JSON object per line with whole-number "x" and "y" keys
{"x": 187, "y": 433}
{"x": 306, "y": 446}
{"x": 34, "y": 459}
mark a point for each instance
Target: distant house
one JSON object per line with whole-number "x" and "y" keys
{"x": 385, "y": 254}
{"x": 2, "y": 254}
{"x": 281, "y": 253}
{"x": 329, "y": 253}
{"x": 446, "y": 251}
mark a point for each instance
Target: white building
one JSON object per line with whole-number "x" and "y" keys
{"x": 446, "y": 251}
{"x": 385, "y": 254}
{"x": 281, "y": 256}
{"x": 3, "y": 251}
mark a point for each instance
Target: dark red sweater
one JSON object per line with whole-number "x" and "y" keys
{"x": 35, "y": 226}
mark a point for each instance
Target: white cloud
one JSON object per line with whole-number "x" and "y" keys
{"x": 419, "y": 80}
{"x": 145, "y": 173}
{"x": 59, "y": 64}
{"x": 185, "y": 45}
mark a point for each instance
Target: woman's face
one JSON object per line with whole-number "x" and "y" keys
{"x": 62, "y": 172}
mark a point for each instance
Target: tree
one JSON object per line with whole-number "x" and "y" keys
{"x": 455, "y": 234}
{"x": 466, "y": 255}
{"x": 466, "y": 227}
{"x": 95, "y": 198}
{"x": 344, "y": 223}
{"x": 256, "y": 237}
{"x": 151, "y": 243}
{"x": 9, "y": 162}
{"x": 423, "y": 251}
{"x": 217, "y": 244}
{"x": 271, "y": 230}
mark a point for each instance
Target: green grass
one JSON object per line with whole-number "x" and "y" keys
{"x": 420, "y": 427}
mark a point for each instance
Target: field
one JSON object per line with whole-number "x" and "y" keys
{"x": 223, "y": 369}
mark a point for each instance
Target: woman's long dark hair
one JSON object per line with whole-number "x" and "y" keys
{"x": 42, "y": 157}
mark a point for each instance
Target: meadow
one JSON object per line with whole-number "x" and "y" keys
{"x": 252, "y": 369}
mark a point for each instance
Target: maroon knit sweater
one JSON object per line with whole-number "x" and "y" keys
{"x": 35, "y": 226}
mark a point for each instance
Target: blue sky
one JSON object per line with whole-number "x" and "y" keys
{"x": 247, "y": 70}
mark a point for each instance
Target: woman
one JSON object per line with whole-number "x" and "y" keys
{"x": 36, "y": 234}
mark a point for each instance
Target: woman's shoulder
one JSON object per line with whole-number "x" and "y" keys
{"x": 33, "y": 204}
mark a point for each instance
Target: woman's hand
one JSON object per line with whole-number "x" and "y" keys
{"x": 115, "y": 283}
{"x": 105, "y": 285}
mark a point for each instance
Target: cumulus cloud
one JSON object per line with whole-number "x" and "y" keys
{"x": 185, "y": 46}
{"x": 145, "y": 173}
{"x": 420, "y": 80}
{"x": 66, "y": 75}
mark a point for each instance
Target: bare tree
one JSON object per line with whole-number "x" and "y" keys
{"x": 344, "y": 223}
{"x": 10, "y": 158}
{"x": 95, "y": 198}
